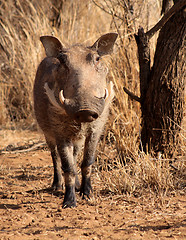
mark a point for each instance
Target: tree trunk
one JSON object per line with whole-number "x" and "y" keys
{"x": 162, "y": 106}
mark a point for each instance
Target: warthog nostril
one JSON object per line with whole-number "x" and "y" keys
{"x": 95, "y": 115}
{"x": 85, "y": 116}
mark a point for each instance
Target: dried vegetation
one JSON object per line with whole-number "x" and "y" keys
{"x": 120, "y": 166}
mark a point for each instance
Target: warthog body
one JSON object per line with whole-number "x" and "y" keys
{"x": 71, "y": 102}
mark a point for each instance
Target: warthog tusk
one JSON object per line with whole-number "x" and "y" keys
{"x": 50, "y": 94}
{"x": 61, "y": 97}
{"x": 106, "y": 93}
{"x": 105, "y": 96}
{"x": 110, "y": 93}
{"x": 111, "y": 86}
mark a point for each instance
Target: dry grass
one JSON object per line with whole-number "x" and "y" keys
{"x": 123, "y": 168}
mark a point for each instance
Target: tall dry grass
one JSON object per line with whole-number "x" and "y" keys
{"x": 21, "y": 25}
{"x": 122, "y": 168}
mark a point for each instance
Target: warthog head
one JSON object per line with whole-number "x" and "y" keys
{"x": 80, "y": 89}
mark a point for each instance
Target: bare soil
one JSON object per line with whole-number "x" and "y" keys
{"x": 29, "y": 210}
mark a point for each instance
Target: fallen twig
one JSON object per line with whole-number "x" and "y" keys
{"x": 22, "y": 149}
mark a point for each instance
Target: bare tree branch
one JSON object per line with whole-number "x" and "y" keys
{"x": 144, "y": 61}
{"x": 132, "y": 95}
{"x": 110, "y": 13}
{"x": 176, "y": 7}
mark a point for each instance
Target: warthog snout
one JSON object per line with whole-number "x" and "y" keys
{"x": 85, "y": 116}
{"x": 71, "y": 102}
{"x": 83, "y": 107}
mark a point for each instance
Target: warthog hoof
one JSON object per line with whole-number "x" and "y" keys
{"x": 86, "y": 188}
{"x": 70, "y": 198}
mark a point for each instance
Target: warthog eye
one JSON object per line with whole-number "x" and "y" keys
{"x": 62, "y": 58}
{"x": 97, "y": 62}
{"x": 97, "y": 59}
{"x": 90, "y": 57}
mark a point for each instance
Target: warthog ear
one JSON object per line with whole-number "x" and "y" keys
{"x": 52, "y": 46}
{"x": 104, "y": 45}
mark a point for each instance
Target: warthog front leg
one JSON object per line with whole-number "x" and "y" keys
{"x": 65, "y": 151}
{"x": 57, "y": 181}
{"x": 86, "y": 167}
{"x": 86, "y": 187}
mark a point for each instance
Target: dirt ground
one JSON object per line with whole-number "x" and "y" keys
{"x": 29, "y": 210}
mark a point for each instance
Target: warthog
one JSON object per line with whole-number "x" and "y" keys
{"x": 71, "y": 102}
